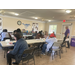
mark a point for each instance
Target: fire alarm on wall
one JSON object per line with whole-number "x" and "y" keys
{"x": 64, "y": 20}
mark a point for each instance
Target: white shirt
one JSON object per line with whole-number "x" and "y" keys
{"x": 50, "y": 42}
{"x": 4, "y": 35}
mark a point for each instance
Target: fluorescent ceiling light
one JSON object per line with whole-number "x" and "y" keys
{"x": 68, "y": 11}
{"x": 16, "y": 14}
{"x": 13, "y": 13}
{"x": 36, "y": 18}
{"x": 49, "y": 20}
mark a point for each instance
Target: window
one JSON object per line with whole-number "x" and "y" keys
{"x": 52, "y": 28}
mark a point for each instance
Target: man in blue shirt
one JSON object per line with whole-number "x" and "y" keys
{"x": 19, "y": 48}
{"x": 67, "y": 33}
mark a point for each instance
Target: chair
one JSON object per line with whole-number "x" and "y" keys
{"x": 29, "y": 54}
{"x": 38, "y": 47}
{"x": 55, "y": 48}
{"x": 62, "y": 45}
{"x": 29, "y": 37}
{"x": 6, "y": 38}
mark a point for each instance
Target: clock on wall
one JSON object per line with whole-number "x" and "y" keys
{"x": 19, "y": 22}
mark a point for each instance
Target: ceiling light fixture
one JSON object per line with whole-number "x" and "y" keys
{"x": 36, "y": 18}
{"x": 68, "y": 11}
{"x": 49, "y": 20}
{"x": 16, "y": 14}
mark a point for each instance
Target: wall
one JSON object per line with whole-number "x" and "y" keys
{"x": 11, "y": 24}
{"x": 59, "y": 27}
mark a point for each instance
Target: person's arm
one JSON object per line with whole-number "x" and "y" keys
{"x": 63, "y": 33}
{"x": 15, "y": 50}
{"x": 48, "y": 39}
{"x": 9, "y": 35}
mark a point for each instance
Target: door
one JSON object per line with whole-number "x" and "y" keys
{"x": 64, "y": 30}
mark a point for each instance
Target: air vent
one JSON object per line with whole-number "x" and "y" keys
{"x": 28, "y": 13}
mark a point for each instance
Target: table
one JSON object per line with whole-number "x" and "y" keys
{"x": 27, "y": 35}
{"x": 72, "y": 42}
{"x": 6, "y": 44}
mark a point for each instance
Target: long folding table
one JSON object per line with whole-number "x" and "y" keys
{"x": 5, "y": 44}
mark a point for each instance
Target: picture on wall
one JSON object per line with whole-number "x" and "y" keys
{"x": 35, "y": 27}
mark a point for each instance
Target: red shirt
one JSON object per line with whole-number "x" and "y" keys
{"x": 52, "y": 35}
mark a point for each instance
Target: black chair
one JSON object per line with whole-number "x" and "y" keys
{"x": 29, "y": 37}
{"x": 38, "y": 48}
{"x": 6, "y": 38}
{"x": 29, "y": 54}
{"x": 63, "y": 46}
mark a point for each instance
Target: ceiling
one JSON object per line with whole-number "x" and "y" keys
{"x": 42, "y": 14}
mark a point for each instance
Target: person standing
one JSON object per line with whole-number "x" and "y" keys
{"x": 67, "y": 33}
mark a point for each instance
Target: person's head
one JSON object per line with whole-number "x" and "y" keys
{"x": 15, "y": 31}
{"x": 4, "y": 30}
{"x": 35, "y": 31}
{"x": 54, "y": 32}
{"x": 46, "y": 33}
{"x": 40, "y": 32}
{"x": 17, "y": 36}
{"x": 18, "y": 30}
{"x": 66, "y": 27}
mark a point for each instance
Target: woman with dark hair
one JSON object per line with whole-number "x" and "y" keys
{"x": 5, "y": 34}
{"x": 14, "y": 31}
{"x": 19, "y": 47}
{"x": 19, "y": 31}
{"x": 39, "y": 35}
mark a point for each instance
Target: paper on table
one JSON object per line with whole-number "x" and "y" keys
{"x": 8, "y": 40}
{"x": 9, "y": 44}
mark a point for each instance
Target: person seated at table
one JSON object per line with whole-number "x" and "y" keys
{"x": 15, "y": 31}
{"x": 19, "y": 48}
{"x": 34, "y": 34}
{"x": 46, "y": 34}
{"x": 39, "y": 35}
{"x": 53, "y": 34}
{"x": 5, "y": 34}
{"x": 49, "y": 42}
